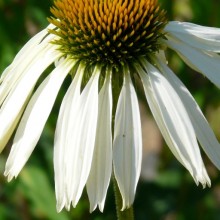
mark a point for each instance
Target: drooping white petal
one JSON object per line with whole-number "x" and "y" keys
{"x": 203, "y": 131}
{"x": 201, "y": 37}
{"x": 101, "y": 169}
{"x": 33, "y": 44}
{"x": 207, "y": 63}
{"x": 173, "y": 121}
{"x": 70, "y": 101}
{"x": 77, "y": 143}
{"x": 34, "y": 119}
{"x": 20, "y": 66}
{"x": 83, "y": 139}
{"x": 15, "y": 101}
{"x": 27, "y": 50}
{"x": 127, "y": 143}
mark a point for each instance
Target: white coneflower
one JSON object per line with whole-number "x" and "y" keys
{"x": 106, "y": 46}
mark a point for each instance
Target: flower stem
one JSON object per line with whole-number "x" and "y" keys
{"x": 127, "y": 214}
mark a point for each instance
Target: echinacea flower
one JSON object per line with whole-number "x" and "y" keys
{"x": 106, "y": 47}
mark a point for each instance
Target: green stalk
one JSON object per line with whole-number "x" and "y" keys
{"x": 127, "y": 214}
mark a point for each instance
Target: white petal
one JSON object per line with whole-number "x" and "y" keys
{"x": 127, "y": 144}
{"x": 34, "y": 119}
{"x": 27, "y": 54}
{"x": 15, "y": 102}
{"x": 83, "y": 139}
{"x": 207, "y": 63}
{"x": 201, "y": 37}
{"x": 203, "y": 131}
{"x": 17, "y": 70}
{"x": 33, "y": 44}
{"x": 78, "y": 143}
{"x": 101, "y": 169}
{"x": 60, "y": 146}
{"x": 28, "y": 50}
{"x": 173, "y": 121}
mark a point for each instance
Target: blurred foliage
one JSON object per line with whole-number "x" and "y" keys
{"x": 171, "y": 195}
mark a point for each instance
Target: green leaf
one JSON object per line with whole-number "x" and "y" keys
{"x": 36, "y": 187}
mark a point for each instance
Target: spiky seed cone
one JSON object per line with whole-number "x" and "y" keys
{"x": 110, "y": 31}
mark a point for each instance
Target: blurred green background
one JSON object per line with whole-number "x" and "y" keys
{"x": 169, "y": 194}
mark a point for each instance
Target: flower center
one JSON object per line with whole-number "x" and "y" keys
{"x": 108, "y": 31}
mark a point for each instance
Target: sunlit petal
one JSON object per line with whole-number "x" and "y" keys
{"x": 127, "y": 143}
{"x": 207, "y": 63}
{"x": 101, "y": 169}
{"x": 34, "y": 119}
{"x": 77, "y": 143}
{"x": 9, "y": 115}
{"x": 174, "y": 122}
{"x": 82, "y": 138}
{"x": 61, "y": 145}
{"x": 201, "y": 37}
{"x": 23, "y": 62}
{"x": 203, "y": 131}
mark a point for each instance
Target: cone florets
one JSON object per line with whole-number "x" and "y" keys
{"x": 110, "y": 31}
